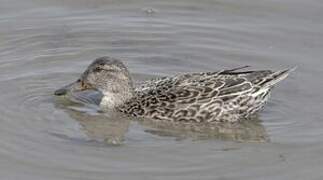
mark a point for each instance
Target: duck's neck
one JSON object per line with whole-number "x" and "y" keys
{"x": 113, "y": 100}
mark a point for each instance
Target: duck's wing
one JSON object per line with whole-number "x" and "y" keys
{"x": 200, "y": 96}
{"x": 190, "y": 101}
{"x": 187, "y": 79}
{"x": 180, "y": 80}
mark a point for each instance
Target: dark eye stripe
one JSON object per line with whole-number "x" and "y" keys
{"x": 112, "y": 70}
{"x": 97, "y": 69}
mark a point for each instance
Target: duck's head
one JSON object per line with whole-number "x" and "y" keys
{"x": 107, "y": 75}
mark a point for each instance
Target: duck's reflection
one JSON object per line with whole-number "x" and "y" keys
{"x": 101, "y": 127}
{"x": 111, "y": 127}
{"x": 250, "y": 130}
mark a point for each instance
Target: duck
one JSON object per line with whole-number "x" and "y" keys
{"x": 230, "y": 95}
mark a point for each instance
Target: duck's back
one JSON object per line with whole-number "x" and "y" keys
{"x": 204, "y": 97}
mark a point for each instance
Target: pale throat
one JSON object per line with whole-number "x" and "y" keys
{"x": 113, "y": 100}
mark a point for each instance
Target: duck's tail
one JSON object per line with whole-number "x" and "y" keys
{"x": 275, "y": 77}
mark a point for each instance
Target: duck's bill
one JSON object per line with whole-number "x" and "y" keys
{"x": 76, "y": 86}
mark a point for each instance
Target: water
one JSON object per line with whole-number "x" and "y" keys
{"x": 47, "y": 44}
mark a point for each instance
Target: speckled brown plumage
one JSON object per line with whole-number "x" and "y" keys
{"x": 224, "y": 96}
{"x": 203, "y": 97}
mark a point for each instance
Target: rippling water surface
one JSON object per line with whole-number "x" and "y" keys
{"x": 45, "y": 44}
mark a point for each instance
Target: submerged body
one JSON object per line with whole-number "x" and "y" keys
{"x": 224, "y": 96}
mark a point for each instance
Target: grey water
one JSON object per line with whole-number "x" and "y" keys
{"x": 45, "y": 44}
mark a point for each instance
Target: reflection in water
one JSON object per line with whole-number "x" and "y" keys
{"x": 100, "y": 127}
{"x": 111, "y": 127}
{"x": 250, "y": 130}
{"x": 103, "y": 127}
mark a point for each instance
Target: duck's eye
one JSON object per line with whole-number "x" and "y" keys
{"x": 98, "y": 69}
{"x": 79, "y": 80}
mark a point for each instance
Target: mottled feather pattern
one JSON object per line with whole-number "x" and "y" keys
{"x": 225, "y": 96}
